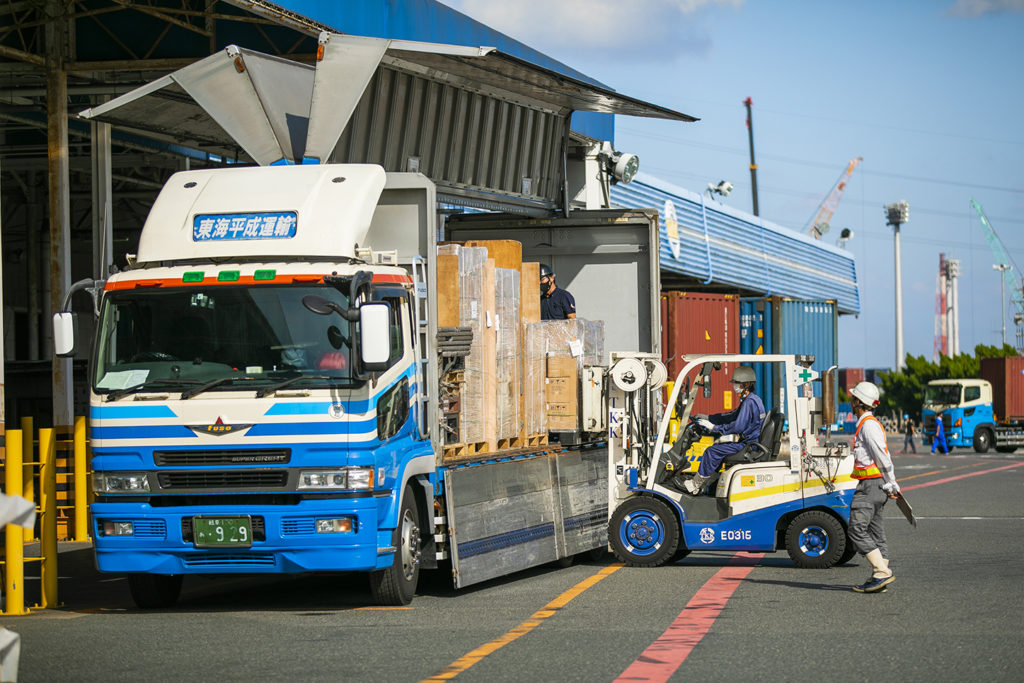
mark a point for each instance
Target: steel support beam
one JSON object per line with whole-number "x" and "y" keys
{"x": 102, "y": 201}
{"x": 60, "y": 200}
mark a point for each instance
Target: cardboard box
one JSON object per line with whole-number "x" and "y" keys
{"x": 562, "y": 417}
{"x": 562, "y": 366}
{"x": 561, "y": 390}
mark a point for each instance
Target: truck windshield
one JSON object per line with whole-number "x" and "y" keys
{"x": 250, "y": 337}
{"x": 942, "y": 394}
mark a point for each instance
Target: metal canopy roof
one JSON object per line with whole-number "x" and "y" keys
{"x": 276, "y": 109}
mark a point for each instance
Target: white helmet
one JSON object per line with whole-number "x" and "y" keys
{"x": 866, "y": 393}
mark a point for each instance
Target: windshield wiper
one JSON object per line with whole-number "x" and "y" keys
{"x": 120, "y": 393}
{"x": 284, "y": 383}
{"x": 195, "y": 391}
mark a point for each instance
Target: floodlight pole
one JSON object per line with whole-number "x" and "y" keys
{"x": 897, "y": 214}
{"x": 1002, "y": 267}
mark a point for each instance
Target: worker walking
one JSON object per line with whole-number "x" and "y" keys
{"x": 940, "y": 435}
{"x": 555, "y": 303}
{"x": 909, "y": 431}
{"x": 872, "y": 467}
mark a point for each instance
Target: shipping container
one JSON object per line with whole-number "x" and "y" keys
{"x": 850, "y": 377}
{"x": 1007, "y": 378}
{"x": 756, "y": 338}
{"x": 698, "y": 322}
{"x": 808, "y": 328}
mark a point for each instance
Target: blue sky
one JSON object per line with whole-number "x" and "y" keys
{"x": 930, "y": 94}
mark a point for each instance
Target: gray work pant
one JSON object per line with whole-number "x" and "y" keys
{"x": 866, "y": 529}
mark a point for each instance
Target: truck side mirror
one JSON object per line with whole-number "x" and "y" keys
{"x": 375, "y": 335}
{"x": 64, "y": 325}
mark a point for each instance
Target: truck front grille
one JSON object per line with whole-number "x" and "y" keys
{"x": 240, "y": 456}
{"x": 228, "y": 479}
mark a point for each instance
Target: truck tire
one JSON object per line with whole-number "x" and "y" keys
{"x": 154, "y": 591}
{"x": 815, "y": 540}
{"x": 1005, "y": 449}
{"x": 848, "y": 554}
{"x": 644, "y": 532}
{"x": 396, "y": 585}
{"x": 982, "y": 439}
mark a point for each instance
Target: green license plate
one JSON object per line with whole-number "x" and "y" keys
{"x": 218, "y": 532}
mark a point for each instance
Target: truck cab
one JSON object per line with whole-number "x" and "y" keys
{"x": 965, "y": 408}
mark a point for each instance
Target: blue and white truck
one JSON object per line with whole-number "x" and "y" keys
{"x": 265, "y": 375}
{"x": 967, "y": 410}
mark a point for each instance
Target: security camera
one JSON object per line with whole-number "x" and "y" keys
{"x": 723, "y": 188}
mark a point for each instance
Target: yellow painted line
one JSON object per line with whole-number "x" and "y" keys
{"x": 535, "y": 620}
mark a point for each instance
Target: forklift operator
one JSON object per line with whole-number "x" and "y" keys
{"x": 739, "y": 427}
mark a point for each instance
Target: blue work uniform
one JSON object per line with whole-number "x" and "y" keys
{"x": 745, "y": 421}
{"x": 557, "y": 306}
{"x": 940, "y": 435}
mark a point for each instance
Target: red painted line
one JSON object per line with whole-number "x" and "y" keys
{"x": 962, "y": 476}
{"x": 666, "y": 654}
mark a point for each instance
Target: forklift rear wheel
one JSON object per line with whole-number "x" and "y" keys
{"x": 644, "y": 532}
{"x": 153, "y": 591}
{"x": 815, "y": 540}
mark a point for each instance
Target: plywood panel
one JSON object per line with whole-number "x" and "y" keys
{"x": 447, "y": 290}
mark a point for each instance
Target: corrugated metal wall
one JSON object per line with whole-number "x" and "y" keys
{"x": 500, "y": 146}
{"x": 717, "y": 244}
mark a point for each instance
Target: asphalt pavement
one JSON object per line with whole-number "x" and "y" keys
{"x": 953, "y": 613}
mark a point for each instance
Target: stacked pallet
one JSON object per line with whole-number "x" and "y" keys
{"x": 556, "y": 352}
{"x": 485, "y": 287}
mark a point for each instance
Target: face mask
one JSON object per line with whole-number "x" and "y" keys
{"x": 737, "y": 388}
{"x": 544, "y": 286}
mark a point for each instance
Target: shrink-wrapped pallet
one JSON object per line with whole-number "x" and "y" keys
{"x": 476, "y": 311}
{"x": 567, "y": 345}
{"x": 506, "y": 323}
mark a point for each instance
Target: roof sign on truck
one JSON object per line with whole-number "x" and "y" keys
{"x": 243, "y": 226}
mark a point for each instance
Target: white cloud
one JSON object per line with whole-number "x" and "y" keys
{"x": 976, "y": 8}
{"x": 639, "y": 30}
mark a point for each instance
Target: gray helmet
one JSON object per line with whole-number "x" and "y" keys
{"x": 744, "y": 374}
{"x": 545, "y": 270}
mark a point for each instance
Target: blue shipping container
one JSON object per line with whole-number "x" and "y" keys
{"x": 809, "y": 328}
{"x": 756, "y": 338}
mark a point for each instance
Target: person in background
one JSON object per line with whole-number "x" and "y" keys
{"x": 555, "y": 303}
{"x": 940, "y": 435}
{"x": 876, "y": 484}
{"x": 909, "y": 430}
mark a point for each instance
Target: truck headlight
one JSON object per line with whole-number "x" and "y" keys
{"x": 338, "y": 479}
{"x": 120, "y": 482}
{"x": 116, "y": 528}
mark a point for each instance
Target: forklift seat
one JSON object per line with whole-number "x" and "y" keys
{"x": 766, "y": 447}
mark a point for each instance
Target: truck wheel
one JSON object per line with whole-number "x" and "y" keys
{"x": 644, "y": 532}
{"x": 815, "y": 540}
{"x": 982, "y": 440}
{"x": 397, "y": 584}
{"x": 1006, "y": 449}
{"x": 153, "y": 591}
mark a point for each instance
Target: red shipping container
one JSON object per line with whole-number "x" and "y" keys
{"x": 1007, "y": 378}
{"x": 850, "y": 377}
{"x": 697, "y": 322}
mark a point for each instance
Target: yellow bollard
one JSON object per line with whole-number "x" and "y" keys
{"x": 30, "y": 478}
{"x": 81, "y": 490}
{"x": 14, "y": 565}
{"x": 48, "y": 507}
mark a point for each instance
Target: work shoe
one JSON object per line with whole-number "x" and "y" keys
{"x": 874, "y": 585}
{"x": 694, "y": 485}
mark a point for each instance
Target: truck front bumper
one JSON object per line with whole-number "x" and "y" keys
{"x": 286, "y": 539}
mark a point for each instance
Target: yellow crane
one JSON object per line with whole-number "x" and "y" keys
{"x": 819, "y": 224}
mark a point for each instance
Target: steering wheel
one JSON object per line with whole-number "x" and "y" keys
{"x": 697, "y": 428}
{"x": 151, "y": 356}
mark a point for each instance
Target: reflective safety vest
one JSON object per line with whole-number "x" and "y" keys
{"x": 871, "y": 471}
